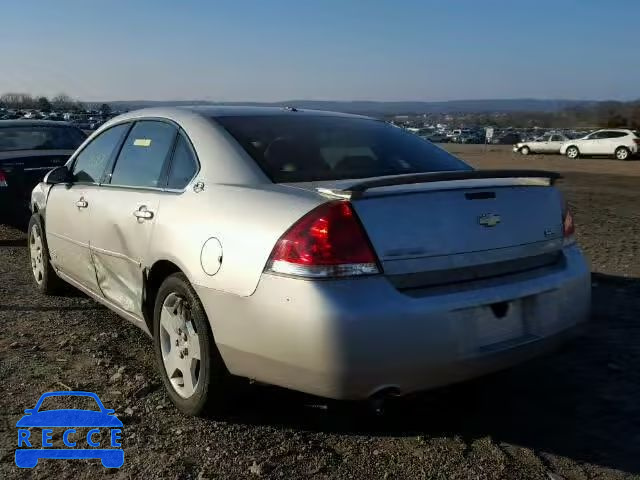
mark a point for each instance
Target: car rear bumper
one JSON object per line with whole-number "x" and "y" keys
{"x": 349, "y": 339}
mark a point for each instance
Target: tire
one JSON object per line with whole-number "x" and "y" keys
{"x": 180, "y": 326}
{"x": 573, "y": 152}
{"x": 43, "y": 274}
{"x": 622, "y": 153}
{"x": 525, "y": 150}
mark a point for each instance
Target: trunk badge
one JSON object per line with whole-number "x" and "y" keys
{"x": 489, "y": 220}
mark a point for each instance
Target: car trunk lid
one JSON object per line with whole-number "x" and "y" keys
{"x": 475, "y": 225}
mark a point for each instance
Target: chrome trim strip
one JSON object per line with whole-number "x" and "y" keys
{"x": 68, "y": 239}
{"x": 114, "y": 254}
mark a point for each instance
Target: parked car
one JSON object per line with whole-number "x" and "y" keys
{"x": 436, "y": 138}
{"x": 617, "y": 142}
{"x": 471, "y": 138}
{"x": 506, "y": 139}
{"x": 549, "y": 143}
{"x": 28, "y": 150}
{"x": 326, "y": 253}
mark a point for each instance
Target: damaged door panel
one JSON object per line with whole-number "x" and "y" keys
{"x": 123, "y": 221}
{"x": 69, "y": 210}
{"x": 119, "y": 243}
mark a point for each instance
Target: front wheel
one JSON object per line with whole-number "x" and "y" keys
{"x": 622, "y": 153}
{"x": 45, "y": 277}
{"x": 573, "y": 153}
{"x": 525, "y": 151}
{"x": 190, "y": 365}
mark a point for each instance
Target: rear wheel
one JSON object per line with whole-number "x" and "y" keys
{"x": 190, "y": 365}
{"x": 525, "y": 151}
{"x": 45, "y": 277}
{"x": 573, "y": 152}
{"x": 622, "y": 153}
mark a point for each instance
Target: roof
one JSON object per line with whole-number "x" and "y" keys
{"x": 33, "y": 123}
{"x": 228, "y": 111}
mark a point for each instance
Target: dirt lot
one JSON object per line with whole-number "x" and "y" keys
{"x": 573, "y": 415}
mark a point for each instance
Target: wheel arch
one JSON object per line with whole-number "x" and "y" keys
{"x": 153, "y": 278}
{"x": 572, "y": 145}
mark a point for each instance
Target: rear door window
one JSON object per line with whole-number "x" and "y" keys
{"x": 183, "y": 164}
{"x": 91, "y": 162}
{"x": 617, "y": 134}
{"x": 144, "y": 154}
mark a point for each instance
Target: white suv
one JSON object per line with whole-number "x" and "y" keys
{"x": 621, "y": 143}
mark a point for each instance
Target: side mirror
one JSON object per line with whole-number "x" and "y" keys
{"x": 58, "y": 175}
{"x": 29, "y": 411}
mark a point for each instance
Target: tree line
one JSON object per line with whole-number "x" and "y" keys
{"x": 594, "y": 115}
{"x": 58, "y": 103}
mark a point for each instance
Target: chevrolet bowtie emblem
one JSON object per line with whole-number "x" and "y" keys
{"x": 489, "y": 220}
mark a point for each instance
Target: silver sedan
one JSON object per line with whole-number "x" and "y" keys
{"x": 327, "y": 253}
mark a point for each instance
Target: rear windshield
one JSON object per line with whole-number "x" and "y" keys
{"x": 306, "y": 148}
{"x": 40, "y": 138}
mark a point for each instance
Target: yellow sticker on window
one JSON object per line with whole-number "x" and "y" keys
{"x": 142, "y": 142}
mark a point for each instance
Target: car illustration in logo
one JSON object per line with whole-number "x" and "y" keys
{"x": 36, "y": 444}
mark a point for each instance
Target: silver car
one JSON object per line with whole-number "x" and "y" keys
{"x": 327, "y": 253}
{"x": 549, "y": 143}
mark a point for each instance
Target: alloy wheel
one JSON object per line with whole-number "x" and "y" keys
{"x": 622, "y": 154}
{"x": 180, "y": 345}
{"x": 35, "y": 252}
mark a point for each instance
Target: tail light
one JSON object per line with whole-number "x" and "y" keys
{"x": 568, "y": 226}
{"x": 329, "y": 241}
{"x": 637, "y": 141}
{"x": 3, "y": 179}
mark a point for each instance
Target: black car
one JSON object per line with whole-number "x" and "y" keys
{"x": 28, "y": 150}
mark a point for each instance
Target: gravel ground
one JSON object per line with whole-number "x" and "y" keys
{"x": 574, "y": 414}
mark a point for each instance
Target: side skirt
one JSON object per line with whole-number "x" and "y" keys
{"x": 137, "y": 321}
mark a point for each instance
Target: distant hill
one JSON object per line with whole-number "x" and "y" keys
{"x": 386, "y": 108}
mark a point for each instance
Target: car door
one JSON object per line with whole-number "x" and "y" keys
{"x": 123, "y": 220}
{"x": 70, "y": 208}
{"x": 601, "y": 145}
{"x": 588, "y": 145}
{"x": 542, "y": 145}
{"x": 555, "y": 143}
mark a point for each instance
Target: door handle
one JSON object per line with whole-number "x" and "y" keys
{"x": 82, "y": 203}
{"x": 143, "y": 214}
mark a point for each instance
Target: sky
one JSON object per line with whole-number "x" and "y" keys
{"x": 273, "y": 50}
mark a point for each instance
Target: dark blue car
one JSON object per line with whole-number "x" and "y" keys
{"x": 68, "y": 418}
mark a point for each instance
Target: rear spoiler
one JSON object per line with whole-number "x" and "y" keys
{"x": 357, "y": 189}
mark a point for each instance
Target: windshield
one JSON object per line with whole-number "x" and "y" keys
{"x": 40, "y": 138}
{"x": 306, "y": 148}
{"x": 65, "y": 402}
